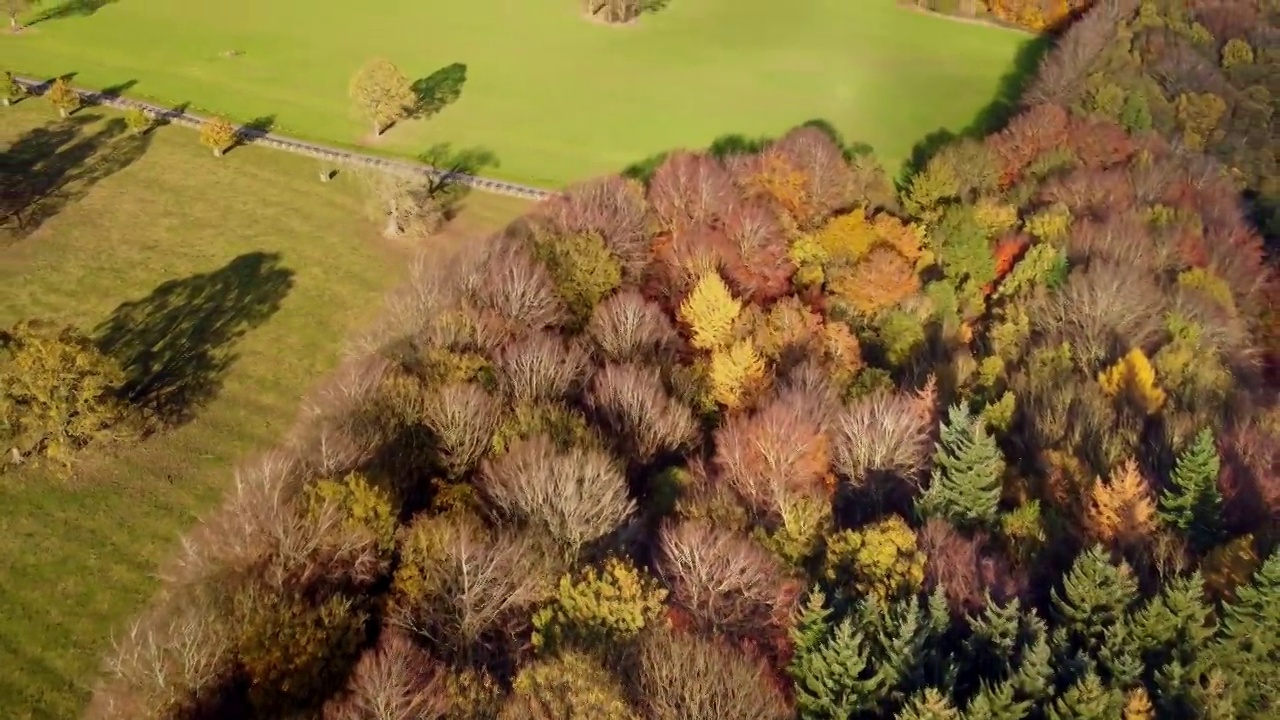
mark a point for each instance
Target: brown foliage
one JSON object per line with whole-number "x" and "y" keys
{"x": 461, "y": 418}
{"x": 1250, "y": 477}
{"x": 684, "y": 677}
{"x": 1062, "y": 72}
{"x": 1121, "y": 238}
{"x": 392, "y": 681}
{"x": 514, "y": 292}
{"x": 962, "y": 565}
{"x": 883, "y": 433}
{"x": 725, "y": 581}
{"x": 632, "y": 403}
{"x": 829, "y": 183}
{"x": 575, "y": 496}
{"x": 627, "y": 328}
{"x": 690, "y": 189}
{"x": 612, "y": 207}
{"x": 1100, "y": 144}
{"x": 1122, "y": 508}
{"x": 1029, "y": 135}
{"x": 880, "y": 280}
{"x": 1097, "y": 192}
{"x": 811, "y": 383}
{"x": 540, "y": 367}
{"x": 773, "y": 455}
{"x": 755, "y": 258}
{"x": 333, "y": 434}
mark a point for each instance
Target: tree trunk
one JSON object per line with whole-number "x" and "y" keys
{"x": 217, "y": 152}
{"x": 62, "y": 112}
{"x": 6, "y": 102}
{"x": 13, "y": 20}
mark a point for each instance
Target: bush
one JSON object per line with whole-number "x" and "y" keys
{"x": 57, "y": 391}
{"x": 217, "y": 134}
{"x": 138, "y": 120}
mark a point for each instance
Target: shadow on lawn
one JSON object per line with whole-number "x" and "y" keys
{"x": 438, "y": 90}
{"x": 51, "y": 167}
{"x": 71, "y": 8}
{"x": 175, "y": 345}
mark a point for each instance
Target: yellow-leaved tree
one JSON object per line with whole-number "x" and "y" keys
{"x": 709, "y": 312}
{"x": 1133, "y": 377}
{"x": 1121, "y": 508}
{"x": 1137, "y": 705}
{"x": 734, "y": 371}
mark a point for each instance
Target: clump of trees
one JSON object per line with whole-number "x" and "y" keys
{"x": 1035, "y": 15}
{"x": 755, "y": 439}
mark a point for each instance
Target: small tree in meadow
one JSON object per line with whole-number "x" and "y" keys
{"x": 137, "y": 120}
{"x": 10, "y": 90}
{"x": 64, "y": 97}
{"x": 18, "y": 6}
{"x": 217, "y": 134}
{"x": 382, "y": 93}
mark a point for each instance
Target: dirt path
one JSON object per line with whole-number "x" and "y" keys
{"x": 310, "y": 149}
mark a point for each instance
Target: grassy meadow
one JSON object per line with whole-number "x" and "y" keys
{"x": 238, "y": 277}
{"x": 552, "y": 96}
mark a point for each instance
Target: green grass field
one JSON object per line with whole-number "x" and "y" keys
{"x": 556, "y": 98}
{"x": 249, "y": 273}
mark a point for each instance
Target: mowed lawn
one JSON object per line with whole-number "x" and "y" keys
{"x": 247, "y": 273}
{"x": 555, "y": 97}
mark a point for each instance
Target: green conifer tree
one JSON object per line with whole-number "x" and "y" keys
{"x": 1247, "y": 652}
{"x": 1088, "y": 699}
{"x": 1174, "y": 632}
{"x": 1194, "y": 504}
{"x": 830, "y": 666}
{"x": 930, "y": 704}
{"x": 966, "y": 482}
{"x": 1095, "y": 598}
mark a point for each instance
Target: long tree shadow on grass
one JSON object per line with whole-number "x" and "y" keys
{"x": 71, "y": 8}
{"x": 438, "y": 90}
{"x": 53, "y": 166}
{"x": 176, "y": 344}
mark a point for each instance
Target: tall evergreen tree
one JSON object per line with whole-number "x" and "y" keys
{"x": 830, "y": 666}
{"x": 1094, "y": 599}
{"x": 1193, "y": 503}
{"x": 966, "y": 482}
{"x": 1248, "y": 648}
{"x": 1088, "y": 699}
{"x": 1173, "y": 631}
{"x": 930, "y": 704}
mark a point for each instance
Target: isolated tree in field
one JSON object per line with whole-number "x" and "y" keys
{"x": 409, "y": 205}
{"x": 382, "y": 93}
{"x": 138, "y": 120}
{"x": 63, "y": 97}
{"x": 18, "y": 6}
{"x": 217, "y": 134}
{"x": 10, "y": 90}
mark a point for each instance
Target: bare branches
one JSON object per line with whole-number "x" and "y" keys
{"x": 461, "y": 418}
{"x": 626, "y": 328}
{"x": 684, "y": 677}
{"x": 457, "y": 583}
{"x": 613, "y": 207}
{"x": 393, "y": 681}
{"x": 631, "y": 401}
{"x": 1106, "y": 310}
{"x": 540, "y": 367}
{"x": 773, "y": 455}
{"x": 574, "y": 496}
{"x": 727, "y": 582}
{"x": 517, "y": 291}
{"x": 883, "y": 433}
{"x": 690, "y": 189}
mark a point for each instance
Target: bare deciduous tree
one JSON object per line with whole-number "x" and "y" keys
{"x": 540, "y": 367}
{"x": 830, "y": 182}
{"x": 575, "y": 497}
{"x": 969, "y": 575}
{"x": 883, "y": 432}
{"x": 631, "y": 401}
{"x": 461, "y": 417}
{"x": 811, "y": 383}
{"x": 1104, "y": 310}
{"x": 626, "y": 328}
{"x": 457, "y": 583}
{"x": 392, "y": 681}
{"x": 725, "y": 581}
{"x": 690, "y": 189}
{"x": 517, "y": 290}
{"x": 773, "y": 455}
{"x": 685, "y": 677}
{"x": 409, "y": 205}
{"x": 612, "y": 207}
{"x": 1062, "y": 72}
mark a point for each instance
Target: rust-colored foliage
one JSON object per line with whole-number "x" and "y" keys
{"x": 1098, "y": 192}
{"x": 1122, "y": 508}
{"x": 1099, "y": 144}
{"x": 903, "y": 238}
{"x": 1007, "y": 253}
{"x": 773, "y": 175}
{"x": 681, "y": 259}
{"x": 880, "y": 280}
{"x": 754, "y": 258}
{"x": 1250, "y": 477}
{"x": 1028, "y": 136}
{"x": 829, "y": 182}
{"x": 690, "y": 189}
{"x": 965, "y": 568}
{"x": 772, "y": 454}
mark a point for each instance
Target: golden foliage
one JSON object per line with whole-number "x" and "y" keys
{"x": 1137, "y": 706}
{"x": 217, "y": 134}
{"x": 789, "y": 325}
{"x": 709, "y": 312}
{"x": 1209, "y": 283}
{"x": 908, "y": 240}
{"x": 881, "y": 280}
{"x": 1199, "y": 115}
{"x": 599, "y": 607}
{"x": 1050, "y": 224}
{"x": 995, "y": 217}
{"x": 734, "y": 371}
{"x": 847, "y": 237}
{"x": 780, "y": 180}
{"x": 1229, "y": 566}
{"x": 1134, "y": 378}
{"x": 1121, "y": 509}
{"x": 880, "y": 560}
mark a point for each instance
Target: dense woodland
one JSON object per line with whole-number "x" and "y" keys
{"x": 764, "y": 436}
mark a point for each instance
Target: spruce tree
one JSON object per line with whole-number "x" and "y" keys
{"x": 929, "y": 704}
{"x": 829, "y": 665}
{"x": 1193, "y": 503}
{"x": 1094, "y": 600}
{"x": 1173, "y": 631}
{"x": 1248, "y": 648}
{"x": 966, "y": 482}
{"x": 1088, "y": 699}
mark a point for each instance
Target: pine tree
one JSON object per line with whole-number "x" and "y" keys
{"x": 966, "y": 482}
{"x": 929, "y": 705}
{"x": 1248, "y": 648}
{"x": 1087, "y": 699}
{"x": 1194, "y": 504}
{"x": 1013, "y": 645}
{"x": 1173, "y": 631}
{"x": 1121, "y": 508}
{"x": 829, "y": 665}
{"x": 1093, "y": 602}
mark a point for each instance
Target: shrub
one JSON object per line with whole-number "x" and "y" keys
{"x": 57, "y": 390}
{"x": 575, "y": 496}
{"x": 597, "y": 609}
{"x": 10, "y": 90}
{"x": 217, "y": 134}
{"x": 137, "y": 120}
{"x": 879, "y": 560}
{"x": 725, "y": 581}
{"x": 569, "y": 687}
{"x": 631, "y": 402}
{"x": 63, "y": 97}
{"x": 684, "y": 677}
{"x": 583, "y": 270}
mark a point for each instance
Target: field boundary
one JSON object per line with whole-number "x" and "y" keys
{"x": 255, "y": 136}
